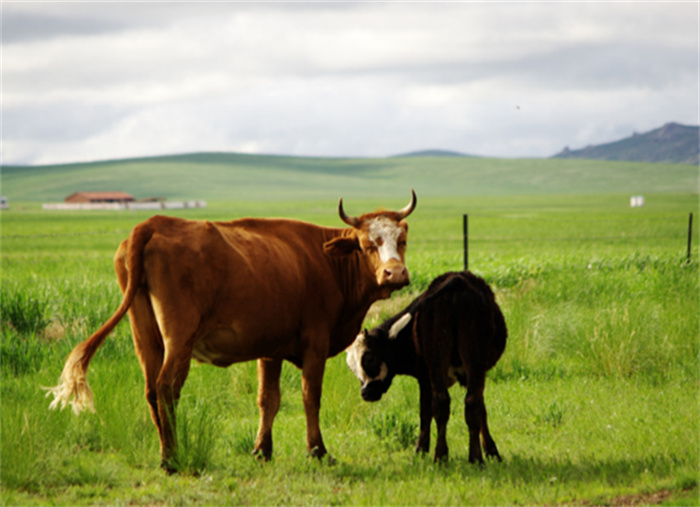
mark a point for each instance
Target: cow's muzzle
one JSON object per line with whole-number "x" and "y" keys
{"x": 373, "y": 391}
{"x": 394, "y": 276}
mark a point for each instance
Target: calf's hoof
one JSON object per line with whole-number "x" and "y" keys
{"x": 476, "y": 461}
{"x": 492, "y": 452}
{"x": 442, "y": 457}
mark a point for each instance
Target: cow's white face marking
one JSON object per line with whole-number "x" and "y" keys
{"x": 353, "y": 358}
{"x": 384, "y": 234}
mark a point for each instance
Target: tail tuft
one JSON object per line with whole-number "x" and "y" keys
{"x": 72, "y": 384}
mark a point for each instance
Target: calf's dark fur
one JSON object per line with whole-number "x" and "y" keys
{"x": 454, "y": 331}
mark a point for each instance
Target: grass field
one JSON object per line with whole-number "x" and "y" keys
{"x": 595, "y": 401}
{"x": 234, "y": 178}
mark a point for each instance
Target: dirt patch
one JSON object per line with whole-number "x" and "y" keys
{"x": 684, "y": 497}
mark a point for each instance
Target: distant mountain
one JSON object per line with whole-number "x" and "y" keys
{"x": 434, "y": 153}
{"x": 671, "y": 143}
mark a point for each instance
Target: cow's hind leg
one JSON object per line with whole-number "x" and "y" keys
{"x": 431, "y": 329}
{"x": 426, "y": 417}
{"x": 268, "y": 403}
{"x": 168, "y": 386}
{"x": 146, "y": 336}
{"x": 489, "y": 445}
{"x": 149, "y": 349}
{"x": 441, "y": 413}
{"x": 475, "y": 416}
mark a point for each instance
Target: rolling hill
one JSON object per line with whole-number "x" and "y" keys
{"x": 434, "y": 153}
{"x": 237, "y": 177}
{"x": 673, "y": 143}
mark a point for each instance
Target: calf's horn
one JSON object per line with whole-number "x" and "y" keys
{"x": 404, "y": 212}
{"x": 398, "y": 326}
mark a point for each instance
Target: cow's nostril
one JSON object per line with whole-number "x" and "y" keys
{"x": 387, "y": 272}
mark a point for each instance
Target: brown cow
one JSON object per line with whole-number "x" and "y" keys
{"x": 226, "y": 292}
{"x": 458, "y": 333}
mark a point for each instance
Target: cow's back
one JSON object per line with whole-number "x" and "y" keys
{"x": 253, "y": 283}
{"x": 464, "y": 306}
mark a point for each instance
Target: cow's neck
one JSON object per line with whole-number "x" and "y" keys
{"x": 358, "y": 285}
{"x": 403, "y": 350}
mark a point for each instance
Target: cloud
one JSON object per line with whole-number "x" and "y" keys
{"x": 88, "y": 81}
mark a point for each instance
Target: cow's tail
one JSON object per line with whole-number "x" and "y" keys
{"x": 73, "y": 382}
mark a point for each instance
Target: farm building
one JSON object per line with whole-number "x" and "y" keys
{"x": 97, "y": 197}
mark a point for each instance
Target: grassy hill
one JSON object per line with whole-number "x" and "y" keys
{"x": 670, "y": 143}
{"x": 236, "y": 177}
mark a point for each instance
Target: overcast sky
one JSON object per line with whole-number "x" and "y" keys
{"x": 85, "y": 81}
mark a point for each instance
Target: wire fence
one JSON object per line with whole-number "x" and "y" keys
{"x": 627, "y": 234}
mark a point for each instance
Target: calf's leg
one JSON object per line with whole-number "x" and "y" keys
{"x": 475, "y": 416}
{"x": 441, "y": 413}
{"x": 426, "y": 416}
{"x": 489, "y": 445}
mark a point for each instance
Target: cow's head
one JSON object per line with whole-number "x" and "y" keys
{"x": 381, "y": 238}
{"x": 371, "y": 359}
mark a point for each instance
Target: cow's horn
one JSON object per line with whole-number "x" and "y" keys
{"x": 403, "y": 213}
{"x": 353, "y": 221}
{"x": 398, "y": 326}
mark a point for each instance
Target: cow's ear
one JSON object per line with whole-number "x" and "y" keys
{"x": 398, "y": 326}
{"x": 341, "y": 246}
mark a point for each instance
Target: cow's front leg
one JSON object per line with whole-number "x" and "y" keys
{"x": 426, "y": 417}
{"x": 311, "y": 382}
{"x": 269, "y": 403}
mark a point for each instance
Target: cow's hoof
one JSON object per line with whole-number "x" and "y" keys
{"x": 169, "y": 467}
{"x": 261, "y": 455}
{"x": 320, "y": 454}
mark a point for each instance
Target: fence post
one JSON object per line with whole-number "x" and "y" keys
{"x": 465, "y": 230}
{"x": 690, "y": 234}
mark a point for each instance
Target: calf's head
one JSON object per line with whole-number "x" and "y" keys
{"x": 371, "y": 359}
{"x": 381, "y": 239}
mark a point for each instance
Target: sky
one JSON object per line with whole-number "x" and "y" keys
{"x": 87, "y": 81}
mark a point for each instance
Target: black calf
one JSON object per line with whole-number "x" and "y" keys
{"x": 457, "y": 334}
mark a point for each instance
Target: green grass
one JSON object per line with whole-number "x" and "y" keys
{"x": 595, "y": 399}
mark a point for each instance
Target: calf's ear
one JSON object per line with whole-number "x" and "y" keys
{"x": 398, "y": 326}
{"x": 341, "y": 246}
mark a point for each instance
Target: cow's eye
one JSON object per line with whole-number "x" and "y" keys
{"x": 371, "y": 364}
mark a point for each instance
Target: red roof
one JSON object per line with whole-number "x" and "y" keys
{"x": 99, "y": 197}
